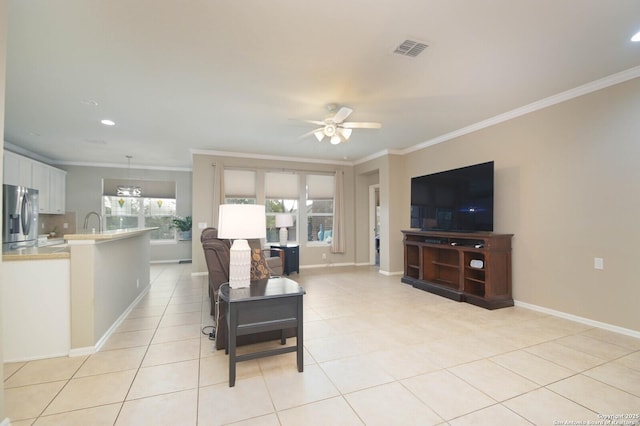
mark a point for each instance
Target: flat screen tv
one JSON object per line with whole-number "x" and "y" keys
{"x": 458, "y": 200}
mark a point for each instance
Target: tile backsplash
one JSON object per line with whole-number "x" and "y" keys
{"x": 47, "y": 223}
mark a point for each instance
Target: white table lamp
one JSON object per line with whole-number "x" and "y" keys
{"x": 239, "y": 222}
{"x": 283, "y": 221}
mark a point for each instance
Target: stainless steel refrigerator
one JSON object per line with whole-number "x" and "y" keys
{"x": 20, "y": 217}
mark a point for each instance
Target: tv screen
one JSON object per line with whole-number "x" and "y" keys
{"x": 459, "y": 200}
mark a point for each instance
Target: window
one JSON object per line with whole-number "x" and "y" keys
{"x": 320, "y": 208}
{"x": 130, "y": 212}
{"x": 281, "y": 196}
{"x": 156, "y": 208}
{"x": 239, "y": 186}
{"x": 275, "y": 206}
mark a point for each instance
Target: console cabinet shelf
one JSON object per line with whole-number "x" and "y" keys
{"x": 467, "y": 267}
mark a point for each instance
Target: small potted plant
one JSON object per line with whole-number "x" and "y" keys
{"x": 183, "y": 225}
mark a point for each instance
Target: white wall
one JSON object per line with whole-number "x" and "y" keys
{"x": 3, "y": 57}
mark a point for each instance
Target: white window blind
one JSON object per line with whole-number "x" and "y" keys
{"x": 281, "y": 185}
{"x": 239, "y": 183}
{"x": 320, "y": 187}
{"x": 150, "y": 188}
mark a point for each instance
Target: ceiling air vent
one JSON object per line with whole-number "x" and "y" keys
{"x": 410, "y": 48}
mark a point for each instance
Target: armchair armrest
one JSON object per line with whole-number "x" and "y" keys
{"x": 275, "y": 260}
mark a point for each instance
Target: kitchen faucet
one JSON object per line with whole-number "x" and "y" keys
{"x": 86, "y": 220}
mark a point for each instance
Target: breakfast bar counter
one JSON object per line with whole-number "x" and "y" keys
{"x": 60, "y": 251}
{"x": 67, "y": 299}
{"x": 113, "y": 235}
{"x": 109, "y": 274}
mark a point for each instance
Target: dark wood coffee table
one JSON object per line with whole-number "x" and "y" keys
{"x": 273, "y": 304}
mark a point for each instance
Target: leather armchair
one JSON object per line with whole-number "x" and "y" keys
{"x": 216, "y": 253}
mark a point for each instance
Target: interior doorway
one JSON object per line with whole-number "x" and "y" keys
{"x": 374, "y": 224}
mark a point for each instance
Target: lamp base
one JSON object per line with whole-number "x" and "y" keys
{"x": 284, "y": 236}
{"x": 240, "y": 264}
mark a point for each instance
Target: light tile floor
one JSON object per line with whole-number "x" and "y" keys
{"x": 377, "y": 352}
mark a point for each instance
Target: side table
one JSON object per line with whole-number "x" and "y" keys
{"x": 273, "y": 304}
{"x": 291, "y": 257}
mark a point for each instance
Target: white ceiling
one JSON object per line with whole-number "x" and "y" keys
{"x": 239, "y": 76}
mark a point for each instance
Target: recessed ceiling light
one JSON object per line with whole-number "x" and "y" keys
{"x": 636, "y": 37}
{"x": 89, "y": 102}
{"x": 108, "y": 122}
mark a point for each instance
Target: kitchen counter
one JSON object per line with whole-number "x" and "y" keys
{"x": 109, "y": 274}
{"x": 106, "y": 235}
{"x": 72, "y": 296}
{"x": 59, "y": 251}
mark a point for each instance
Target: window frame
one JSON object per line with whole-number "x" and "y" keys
{"x": 324, "y": 196}
{"x": 294, "y": 211}
{"x": 141, "y": 216}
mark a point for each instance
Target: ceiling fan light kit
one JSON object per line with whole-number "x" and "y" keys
{"x": 336, "y": 129}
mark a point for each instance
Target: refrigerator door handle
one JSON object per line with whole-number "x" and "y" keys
{"x": 26, "y": 213}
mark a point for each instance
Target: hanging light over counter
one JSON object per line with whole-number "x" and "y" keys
{"x": 129, "y": 190}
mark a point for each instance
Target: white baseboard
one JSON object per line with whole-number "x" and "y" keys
{"x": 88, "y": 350}
{"x": 582, "y": 320}
{"x": 327, "y": 265}
{"x": 121, "y": 318}
{"x": 389, "y": 273}
{"x": 199, "y": 274}
{"x": 84, "y": 351}
{"x": 36, "y": 358}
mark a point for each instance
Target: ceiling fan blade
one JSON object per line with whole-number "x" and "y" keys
{"x": 311, "y": 132}
{"x": 341, "y": 115}
{"x": 316, "y": 122}
{"x": 361, "y": 125}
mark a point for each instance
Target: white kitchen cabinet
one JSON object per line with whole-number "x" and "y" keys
{"x": 40, "y": 180}
{"x": 49, "y": 181}
{"x": 36, "y": 309}
{"x": 57, "y": 188}
{"x": 17, "y": 170}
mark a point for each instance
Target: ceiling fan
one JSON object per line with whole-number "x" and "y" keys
{"x": 335, "y": 128}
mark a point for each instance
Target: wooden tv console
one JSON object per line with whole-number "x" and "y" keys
{"x": 441, "y": 263}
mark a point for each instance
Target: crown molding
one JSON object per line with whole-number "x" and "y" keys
{"x": 268, "y": 157}
{"x": 378, "y": 154}
{"x": 124, "y": 166}
{"x": 593, "y": 86}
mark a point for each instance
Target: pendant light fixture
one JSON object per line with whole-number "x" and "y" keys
{"x": 129, "y": 190}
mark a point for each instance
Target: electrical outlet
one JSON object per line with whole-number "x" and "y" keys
{"x": 65, "y": 225}
{"x": 138, "y": 283}
{"x": 598, "y": 263}
{"x": 202, "y": 225}
{"x": 324, "y": 256}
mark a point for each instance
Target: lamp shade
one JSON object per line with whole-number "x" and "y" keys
{"x": 242, "y": 221}
{"x": 284, "y": 220}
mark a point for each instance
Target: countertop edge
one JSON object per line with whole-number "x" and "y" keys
{"x": 35, "y": 256}
{"x": 107, "y": 235}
